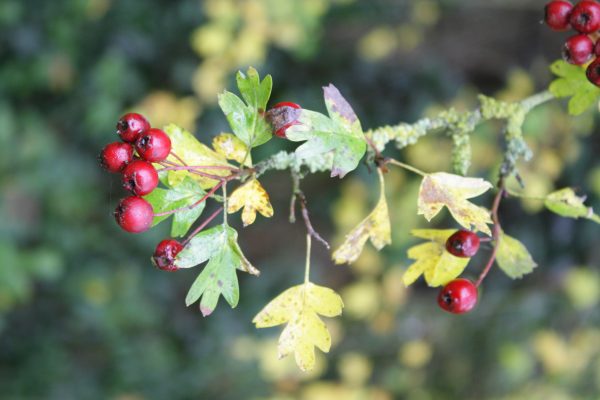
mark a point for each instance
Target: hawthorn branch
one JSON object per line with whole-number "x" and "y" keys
{"x": 405, "y": 134}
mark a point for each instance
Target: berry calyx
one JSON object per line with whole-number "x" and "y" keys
{"x": 140, "y": 177}
{"x": 131, "y": 126}
{"x": 153, "y": 145}
{"x": 557, "y": 13}
{"x": 134, "y": 214}
{"x": 115, "y": 156}
{"x": 165, "y": 253}
{"x": 585, "y": 16}
{"x": 463, "y": 243}
{"x": 283, "y": 115}
{"x": 458, "y": 297}
{"x": 578, "y": 49}
{"x": 593, "y": 72}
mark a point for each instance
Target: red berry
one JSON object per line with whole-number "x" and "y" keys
{"x": 593, "y": 72}
{"x": 557, "y": 13}
{"x": 165, "y": 253}
{"x": 115, "y": 156}
{"x": 131, "y": 126}
{"x": 140, "y": 177}
{"x": 463, "y": 244}
{"x": 154, "y": 145}
{"x": 283, "y": 115}
{"x": 578, "y": 49}
{"x": 134, "y": 214}
{"x": 458, "y": 296}
{"x": 585, "y": 16}
{"x": 597, "y": 49}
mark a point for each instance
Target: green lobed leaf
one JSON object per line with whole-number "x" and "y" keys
{"x": 572, "y": 82}
{"x": 246, "y": 118}
{"x": 566, "y": 203}
{"x": 340, "y": 134}
{"x": 219, "y": 247}
{"x": 513, "y": 257}
{"x": 184, "y": 194}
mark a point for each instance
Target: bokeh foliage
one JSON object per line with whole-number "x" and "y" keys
{"x": 84, "y": 315}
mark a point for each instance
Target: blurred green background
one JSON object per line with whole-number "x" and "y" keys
{"x": 84, "y": 315}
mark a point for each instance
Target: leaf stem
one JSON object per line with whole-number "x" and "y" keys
{"x": 225, "y": 203}
{"x": 201, "y": 226}
{"x": 405, "y": 166}
{"x": 178, "y": 158}
{"x": 307, "y": 265}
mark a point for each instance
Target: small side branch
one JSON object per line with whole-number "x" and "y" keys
{"x": 297, "y": 194}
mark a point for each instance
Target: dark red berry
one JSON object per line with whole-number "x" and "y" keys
{"x": 283, "y": 115}
{"x": 140, "y": 177}
{"x": 458, "y": 296}
{"x": 134, "y": 214}
{"x": 463, "y": 243}
{"x": 131, "y": 126}
{"x": 585, "y": 16}
{"x": 578, "y": 49}
{"x": 165, "y": 253}
{"x": 154, "y": 145}
{"x": 597, "y": 49}
{"x": 557, "y": 13}
{"x": 115, "y": 156}
{"x": 593, "y": 72}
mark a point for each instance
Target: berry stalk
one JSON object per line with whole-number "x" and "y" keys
{"x": 496, "y": 231}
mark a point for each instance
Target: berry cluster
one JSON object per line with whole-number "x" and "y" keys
{"x": 460, "y": 295}
{"x": 141, "y": 146}
{"x": 584, "y": 18}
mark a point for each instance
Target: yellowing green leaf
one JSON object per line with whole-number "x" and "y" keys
{"x": 566, "y": 203}
{"x": 376, "y": 226}
{"x": 442, "y": 189}
{"x": 432, "y": 260}
{"x": 218, "y": 246}
{"x": 193, "y": 152}
{"x": 300, "y": 307}
{"x": 252, "y": 197}
{"x": 232, "y": 148}
{"x": 513, "y": 258}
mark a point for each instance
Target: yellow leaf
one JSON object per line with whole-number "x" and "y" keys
{"x": 231, "y": 147}
{"x": 376, "y": 226}
{"x": 192, "y": 152}
{"x": 252, "y": 197}
{"x": 432, "y": 260}
{"x": 300, "y": 307}
{"x": 442, "y": 189}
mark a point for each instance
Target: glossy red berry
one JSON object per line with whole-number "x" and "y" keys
{"x": 585, "y": 16}
{"x": 153, "y": 145}
{"x": 458, "y": 297}
{"x": 578, "y": 49}
{"x": 283, "y": 115}
{"x": 134, "y": 214}
{"x": 593, "y": 72}
{"x": 165, "y": 253}
{"x": 557, "y": 13}
{"x": 463, "y": 243}
{"x": 115, "y": 156}
{"x": 140, "y": 177}
{"x": 131, "y": 126}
